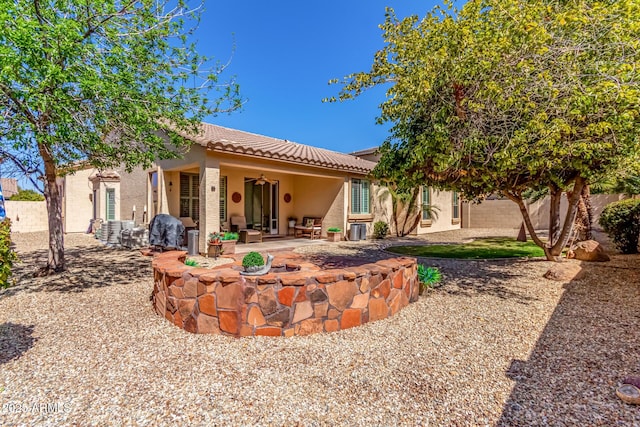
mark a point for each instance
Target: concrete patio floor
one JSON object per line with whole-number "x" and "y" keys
{"x": 277, "y": 244}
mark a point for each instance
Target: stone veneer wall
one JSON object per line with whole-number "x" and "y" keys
{"x": 311, "y": 300}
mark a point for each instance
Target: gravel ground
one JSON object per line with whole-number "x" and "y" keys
{"x": 495, "y": 345}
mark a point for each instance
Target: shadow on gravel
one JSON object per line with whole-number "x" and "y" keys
{"x": 589, "y": 344}
{"x": 87, "y": 267}
{"x": 491, "y": 277}
{"x": 15, "y": 340}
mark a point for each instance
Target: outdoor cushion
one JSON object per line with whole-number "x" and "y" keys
{"x": 247, "y": 235}
{"x": 310, "y": 225}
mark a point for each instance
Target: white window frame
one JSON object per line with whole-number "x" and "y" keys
{"x": 357, "y": 187}
{"x": 455, "y": 206}
{"x": 108, "y": 204}
{"x": 425, "y": 213}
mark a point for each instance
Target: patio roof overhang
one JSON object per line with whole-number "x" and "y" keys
{"x": 232, "y": 141}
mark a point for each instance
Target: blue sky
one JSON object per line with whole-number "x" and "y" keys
{"x": 287, "y": 51}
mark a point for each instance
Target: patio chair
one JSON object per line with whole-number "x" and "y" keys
{"x": 311, "y": 226}
{"x": 246, "y": 235}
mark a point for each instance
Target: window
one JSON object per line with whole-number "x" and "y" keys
{"x": 111, "y": 204}
{"x": 426, "y": 203}
{"x": 360, "y": 197}
{"x": 190, "y": 196}
{"x": 223, "y": 198}
{"x": 455, "y": 211}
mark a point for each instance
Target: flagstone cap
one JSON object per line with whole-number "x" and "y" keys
{"x": 221, "y": 139}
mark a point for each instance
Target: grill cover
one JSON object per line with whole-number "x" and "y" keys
{"x": 166, "y": 231}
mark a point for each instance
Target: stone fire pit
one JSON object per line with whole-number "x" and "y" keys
{"x": 296, "y": 298}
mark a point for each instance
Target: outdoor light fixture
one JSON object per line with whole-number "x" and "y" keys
{"x": 170, "y": 185}
{"x": 213, "y": 188}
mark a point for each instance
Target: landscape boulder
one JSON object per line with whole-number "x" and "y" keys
{"x": 589, "y": 250}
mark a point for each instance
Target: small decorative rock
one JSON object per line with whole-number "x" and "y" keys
{"x": 564, "y": 272}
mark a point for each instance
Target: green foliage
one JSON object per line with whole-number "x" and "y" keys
{"x": 428, "y": 276}
{"x": 94, "y": 81}
{"x": 621, "y": 221}
{"x": 228, "y": 235}
{"x": 27, "y": 196}
{"x": 252, "y": 259}
{"x": 214, "y": 237}
{"x": 495, "y": 247}
{"x": 380, "y": 230}
{"x": 334, "y": 229}
{"x": 191, "y": 262}
{"x": 504, "y": 96}
{"x": 7, "y": 255}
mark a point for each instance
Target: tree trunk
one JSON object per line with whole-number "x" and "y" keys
{"x": 558, "y": 245}
{"x": 584, "y": 218}
{"x": 53, "y": 199}
{"x": 555, "y": 194}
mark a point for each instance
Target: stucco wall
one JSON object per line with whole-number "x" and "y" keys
{"x": 27, "y": 217}
{"x": 133, "y": 192}
{"x": 78, "y": 204}
{"x": 440, "y": 200}
{"x": 501, "y": 213}
{"x": 320, "y": 197}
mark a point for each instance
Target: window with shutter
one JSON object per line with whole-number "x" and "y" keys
{"x": 111, "y": 204}
{"x": 426, "y": 203}
{"x": 455, "y": 208}
{"x": 223, "y": 198}
{"x": 190, "y": 196}
{"x": 360, "y": 196}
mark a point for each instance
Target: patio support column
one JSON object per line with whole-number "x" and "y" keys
{"x": 209, "y": 199}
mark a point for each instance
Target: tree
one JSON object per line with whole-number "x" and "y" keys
{"x": 27, "y": 196}
{"x": 95, "y": 81}
{"x": 505, "y": 96}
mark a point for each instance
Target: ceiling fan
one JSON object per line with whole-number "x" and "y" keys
{"x": 262, "y": 180}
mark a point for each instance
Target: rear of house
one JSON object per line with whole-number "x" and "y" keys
{"x": 266, "y": 180}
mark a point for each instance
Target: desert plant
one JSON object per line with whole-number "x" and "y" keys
{"x": 428, "y": 277}
{"x": 7, "y": 255}
{"x": 380, "y": 230}
{"x": 229, "y": 236}
{"x": 252, "y": 259}
{"x": 334, "y": 229}
{"x": 621, "y": 221}
{"x": 191, "y": 262}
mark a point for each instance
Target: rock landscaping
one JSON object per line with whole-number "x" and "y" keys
{"x": 495, "y": 345}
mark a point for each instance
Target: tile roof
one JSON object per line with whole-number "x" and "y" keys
{"x": 227, "y": 140}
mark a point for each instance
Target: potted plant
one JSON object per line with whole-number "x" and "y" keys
{"x": 214, "y": 244}
{"x": 292, "y": 221}
{"x": 228, "y": 241}
{"x": 334, "y": 234}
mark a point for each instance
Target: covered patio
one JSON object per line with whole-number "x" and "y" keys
{"x": 268, "y": 181}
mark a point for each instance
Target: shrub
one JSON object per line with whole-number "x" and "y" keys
{"x": 252, "y": 259}
{"x": 191, "y": 262}
{"x": 7, "y": 255}
{"x": 27, "y": 196}
{"x": 380, "y": 230}
{"x": 334, "y": 229}
{"x": 428, "y": 277}
{"x": 229, "y": 236}
{"x": 621, "y": 221}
